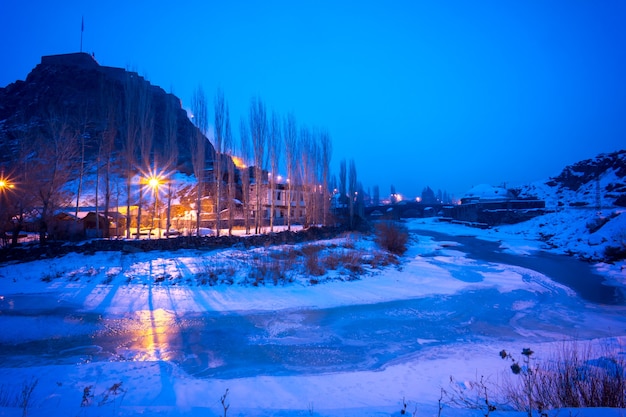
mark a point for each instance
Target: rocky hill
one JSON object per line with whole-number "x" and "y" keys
{"x": 598, "y": 182}
{"x": 74, "y": 88}
{"x": 586, "y": 208}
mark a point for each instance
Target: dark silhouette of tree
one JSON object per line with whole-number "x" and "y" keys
{"x": 376, "y": 196}
{"x": 343, "y": 192}
{"x": 352, "y": 192}
{"x": 326, "y": 153}
{"x": 428, "y": 196}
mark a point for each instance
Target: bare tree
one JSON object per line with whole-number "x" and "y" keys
{"x": 131, "y": 138}
{"x": 171, "y": 154}
{"x": 17, "y": 195}
{"x": 326, "y": 153}
{"x": 245, "y": 173}
{"x": 274, "y": 145}
{"x": 308, "y": 155}
{"x": 290, "y": 136}
{"x": 219, "y": 107}
{"x": 83, "y": 115}
{"x": 198, "y": 146}
{"x": 376, "y": 196}
{"x": 343, "y": 193}
{"x": 53, "y": 157}
{"x": 146, "y": 132}
{"x": 232, "y": 189}
{"x": 107, "y": 146}
{"x": 258, "y": 133}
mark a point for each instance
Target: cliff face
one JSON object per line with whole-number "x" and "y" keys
{"x": 90, "y": 99}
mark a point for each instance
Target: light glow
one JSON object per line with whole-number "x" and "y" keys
{"x": 238, "y": 162}
{"x": 154, "y": 182}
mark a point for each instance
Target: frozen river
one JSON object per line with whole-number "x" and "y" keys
{"x": 340, "y": 339}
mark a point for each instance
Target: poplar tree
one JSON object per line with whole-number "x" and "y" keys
{"x": 198, "y": 147}
{"x": 290, "y": 137}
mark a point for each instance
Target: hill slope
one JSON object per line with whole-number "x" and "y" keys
{"x": 91, "y": 100}
{"x": 587, "y": 200}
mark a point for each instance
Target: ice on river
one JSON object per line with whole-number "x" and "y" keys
{"x": 338, "y": 348}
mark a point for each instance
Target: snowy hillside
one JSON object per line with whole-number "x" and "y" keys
{"x": 587, "y": 203}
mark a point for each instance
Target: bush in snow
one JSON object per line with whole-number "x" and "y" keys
{"x": 312, "y": 264}
{"x": 571, "y": 378}
{"x": 392, "y": 237}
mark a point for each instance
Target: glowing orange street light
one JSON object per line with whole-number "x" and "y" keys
{"x": 154, "y": 182}
{"x": 5, "y": 184}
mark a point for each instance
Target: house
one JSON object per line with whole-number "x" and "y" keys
{"x": 93, "y": 228}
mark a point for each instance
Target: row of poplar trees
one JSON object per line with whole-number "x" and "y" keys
{"x": 267, "y": 143}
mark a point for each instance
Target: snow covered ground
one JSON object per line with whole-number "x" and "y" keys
{"x": 160, "y": 289}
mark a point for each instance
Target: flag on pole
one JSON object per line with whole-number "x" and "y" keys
{"x": 82, "y": 24}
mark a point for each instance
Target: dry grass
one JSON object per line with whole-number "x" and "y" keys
{"x": 312, "y": 263}
{"x": 573, "y": 377}
{"x": 266, "y": 269}
{"x": 392, "y": 236}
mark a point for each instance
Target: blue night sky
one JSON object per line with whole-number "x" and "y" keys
{"x": 448, "y": 94}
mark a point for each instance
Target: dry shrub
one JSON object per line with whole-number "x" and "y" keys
{"x": 392, "y": 237}
{"x": 332, "y": 260}
{"x": 286, "y": 254}
{"x": 312, "y": 249}
{"x": 268, "y": 269}
{"x": 349, "y": 260}
{"x": 312, "y": 263}
{"x": 210, "y": 274}
{"x": 350, "y": 240}
{"x": 574, "y": 378}
{"x": 382, "y": 259}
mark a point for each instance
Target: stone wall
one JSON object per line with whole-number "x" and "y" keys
{"x": 31, "y": 252}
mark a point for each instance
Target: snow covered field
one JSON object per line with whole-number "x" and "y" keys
{"x": 457, "y": 313}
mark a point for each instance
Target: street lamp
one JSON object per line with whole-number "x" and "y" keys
{"x": 4, "y": 184}
{"x": 154, "y": 182}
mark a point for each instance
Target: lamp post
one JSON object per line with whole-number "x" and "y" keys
{"x": 154, "y": 182}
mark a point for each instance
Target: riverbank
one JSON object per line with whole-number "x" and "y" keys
{"x": 481, "y": 307}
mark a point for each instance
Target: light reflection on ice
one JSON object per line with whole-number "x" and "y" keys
{"x": 152, "y": 340}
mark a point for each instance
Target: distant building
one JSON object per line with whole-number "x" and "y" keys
{"x": 488, "y": 205}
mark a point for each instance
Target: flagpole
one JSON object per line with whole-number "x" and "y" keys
{"x": 82, "y": 29}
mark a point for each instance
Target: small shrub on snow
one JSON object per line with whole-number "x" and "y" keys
{"x": 473, "y": 395}
{"x": 381, "y": 259}
{"x": 392, "y": 237}
{"x": 312, "y": 263}
{"x": 332, "y": 260}
{"x": 267, "y": 269}
{"x": 571, "y": 378}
